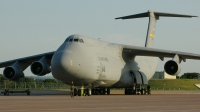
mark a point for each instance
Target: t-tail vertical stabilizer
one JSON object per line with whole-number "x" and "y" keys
{"x": 153, "y": 16}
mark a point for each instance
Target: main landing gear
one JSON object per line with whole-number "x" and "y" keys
{"x": 137, "y": 90}
{"x": 82, "y": 92}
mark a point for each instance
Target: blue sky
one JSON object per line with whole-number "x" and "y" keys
{"x": 29, "y": 27}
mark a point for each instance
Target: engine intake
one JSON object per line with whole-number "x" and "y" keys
{"x": 172, "y": 67}
{"x": 40, "y": 68}
{"x": 12, "y": 73}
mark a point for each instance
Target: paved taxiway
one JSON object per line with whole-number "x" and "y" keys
{"x": 60, "y": 101}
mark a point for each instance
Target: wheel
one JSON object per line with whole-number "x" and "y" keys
{"x": 128, "y": 91}
{"x": 97, "y": 91}
{"x": 145, "y": 92}
{"x": 75, "y": 92}
{"x": 102, "y": 91}
{"x": 79, "y": 92}
{"x": 89, "y": 92}
{"x": 93, "y": 91}
{"x": 142, "y": 91}
{"x": 86, "y": 92}
{"x": 108, "y": 91}
{"x": 125, "y": 91}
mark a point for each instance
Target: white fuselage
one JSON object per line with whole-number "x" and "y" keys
{"x": 96, "y": 63}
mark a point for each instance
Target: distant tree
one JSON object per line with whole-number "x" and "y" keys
{"x": 39, "y": 80}
{"x": 49, "y": 81}
{"x": 21, "y": 82}
{"x": 2, "y": 78}
{"x": 189, "y": 76}
{"x": 178, "y": 77}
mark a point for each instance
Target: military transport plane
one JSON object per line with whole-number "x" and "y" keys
{"x": 98, "y": 66}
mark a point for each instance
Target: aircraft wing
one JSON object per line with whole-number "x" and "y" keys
{"x": 144, "y": 51}
{"x": 27, "y": 60}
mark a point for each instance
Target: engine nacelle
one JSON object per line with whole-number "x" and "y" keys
{"x": 172, "y": 67}
{"x": 40, "y": 68}
{"x": 12, "y": 73}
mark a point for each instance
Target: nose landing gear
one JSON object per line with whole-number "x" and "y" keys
{"x": 94, "y": 91}
{"x": 82, "y": 92}
{"x": 101, "y": 91}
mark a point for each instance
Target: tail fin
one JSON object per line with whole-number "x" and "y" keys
{"x": 153, "y": 16}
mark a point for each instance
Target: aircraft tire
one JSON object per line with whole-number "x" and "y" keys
{"x": 89, "y": 92}
{"x": 79, "y": 92}
{"x": 125, "y": 91}
{"x": 108, "y": 91}
{"x": 75, "y": 92}
{"x": 102, "y": 91}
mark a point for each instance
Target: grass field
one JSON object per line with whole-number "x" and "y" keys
{"x": 174, "y": 84}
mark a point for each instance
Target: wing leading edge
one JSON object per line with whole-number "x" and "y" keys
{"x": 27, "y": 60}
{"x": 143, "y": 51}
{"x": 129, "y": 50}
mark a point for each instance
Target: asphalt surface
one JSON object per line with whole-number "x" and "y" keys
{"x": 60, "y": 101}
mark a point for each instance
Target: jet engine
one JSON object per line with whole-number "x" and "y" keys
{"x": 172, "y": 67}
{"x": 12, "y": 73}
{"x": 40, "y": 68}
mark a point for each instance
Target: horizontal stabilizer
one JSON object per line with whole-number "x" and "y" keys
{"x": 153, "y": 17}
{"x": 157, "y": 14}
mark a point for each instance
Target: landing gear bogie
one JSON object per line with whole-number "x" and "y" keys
{"x": 137, "y": 90}
{"x": 101, "y": 91}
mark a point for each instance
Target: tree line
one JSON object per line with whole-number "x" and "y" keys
{"x": 189, "y": 76}
{"x": 31, "y": 83}
{"x": 37, "y": 83}
{"x": 37, "y": 80}
{"x": 29, "y": 79}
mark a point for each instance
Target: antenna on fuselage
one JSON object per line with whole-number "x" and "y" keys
{"x": 153, "y": 16}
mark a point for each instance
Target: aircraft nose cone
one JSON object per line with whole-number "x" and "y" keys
{"x": 61, "y": 63}
{"x": 66, "y": 63}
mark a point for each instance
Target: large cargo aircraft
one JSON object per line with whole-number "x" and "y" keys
{"x": 98, "y": 66}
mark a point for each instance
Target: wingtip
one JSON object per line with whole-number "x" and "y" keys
{"x": 195, "y": 16}
{"x": 117, "y": 18}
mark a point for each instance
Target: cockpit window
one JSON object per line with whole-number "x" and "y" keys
{"x": 81, "y": 40}
{"x": 75, "y": 40}
{"x": 67, "y": 39}
{"x": 71, "y": 40}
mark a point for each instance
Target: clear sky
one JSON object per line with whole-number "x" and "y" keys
{"x": 29, "y": 27}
